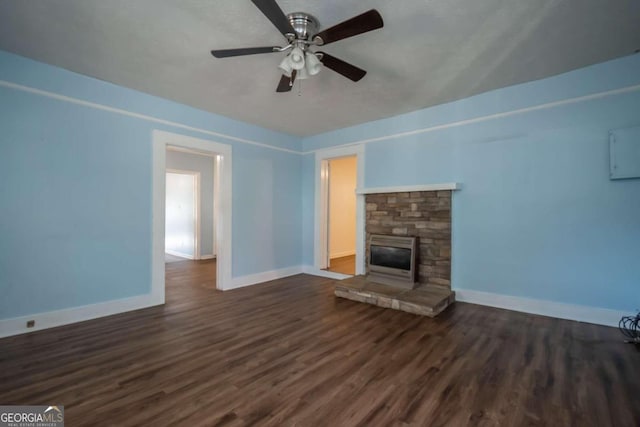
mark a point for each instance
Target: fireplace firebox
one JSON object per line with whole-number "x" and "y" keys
{"x": 393, "y": 260}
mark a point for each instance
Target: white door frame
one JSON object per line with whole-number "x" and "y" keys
{"x": 325, "y": 216}
{"x": 196, "y": 209}
{"x": 321, "y": 244}
{"x": 217, "y": 168}
{"x": 161, "y": 140}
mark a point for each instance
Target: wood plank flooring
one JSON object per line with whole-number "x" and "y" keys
{"x": 172, "y": 258}
{"x": 344, "y": 265}
{"x": 289, "y": 353}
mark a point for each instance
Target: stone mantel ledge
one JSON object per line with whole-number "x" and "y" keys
{"x": 409, "y": 188}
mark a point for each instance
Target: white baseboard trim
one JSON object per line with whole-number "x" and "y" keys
{"x": 51, "y": 319}
{"x": 253, "y": 279}
{"x": 580, "y": 313}
{"x": 341, "y": 254}
{"x": 180, "y": 254}
{"x": 308, "y": 269}
{"x": 210, "y": 256}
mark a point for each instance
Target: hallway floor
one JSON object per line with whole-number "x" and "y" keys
{"x": 344, "y": 265}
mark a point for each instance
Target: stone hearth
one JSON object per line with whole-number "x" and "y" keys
{"x": 424, "y": 300}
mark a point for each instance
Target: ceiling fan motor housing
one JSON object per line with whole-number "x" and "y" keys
{"x": 303, "y": 24}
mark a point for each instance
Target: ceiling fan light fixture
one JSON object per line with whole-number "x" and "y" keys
{"x": 296, "y": 58}
{"x": 312, "y": 64}
{"x": 286, "y": 66}
{"x": 302, "y": 74}
{"x": 300, "y": 30}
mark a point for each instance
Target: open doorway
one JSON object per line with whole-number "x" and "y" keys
{"x": 322, "y": 252}
{"x": 207, "y": 239}
{"x": 341, "y": 206}
{"x": 190, "y": 217}
{"x": 182, "y": 214}
{"x": 190, "y": 210}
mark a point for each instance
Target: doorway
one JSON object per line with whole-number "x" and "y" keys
{"x": 186, "y": 168}
{"x": 220, "y": 156}
{"x": 341, "y": 229}
{"x": 182, "y": 215}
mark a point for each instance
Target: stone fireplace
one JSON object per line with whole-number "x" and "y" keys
{"x": 422, "y": 214}
{"x": 420, "y": 211}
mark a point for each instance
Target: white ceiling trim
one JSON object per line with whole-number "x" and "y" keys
{"x": 554, "y": 104}
{"x": 121, "y": 111}
{"x": 575, "y": 100}
{"x": 178, "y": 149}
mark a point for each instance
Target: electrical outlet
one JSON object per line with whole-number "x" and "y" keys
{"x": 31, "y": 323}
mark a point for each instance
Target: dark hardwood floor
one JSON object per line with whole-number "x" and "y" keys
{"x": 289, "y": 353}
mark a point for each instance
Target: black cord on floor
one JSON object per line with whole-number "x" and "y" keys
{"x": 630, "y": 328}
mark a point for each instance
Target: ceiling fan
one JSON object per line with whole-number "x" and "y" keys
{"x": 301, "y": 31}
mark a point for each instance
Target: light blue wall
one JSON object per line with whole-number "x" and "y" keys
{"x": 537, "y": 216}
{"x": 204, "y": 165}
{"x": 587, "y": 81}
{"x": 23, "y": 71}
{"x": 75, "y": 186}
{"x": 267, "y": 211}
{"x": 76, "y": 205}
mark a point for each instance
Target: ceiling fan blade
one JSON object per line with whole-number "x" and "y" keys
{"x": 225, "y": 53}
{"x": 286, "y": 83}
{"x": 272, "y": 11}
{"x": 339, "y": 66}
{"x": 367, "y": 21}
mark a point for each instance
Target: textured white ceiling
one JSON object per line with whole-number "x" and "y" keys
{"x": 428, "y": 53}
